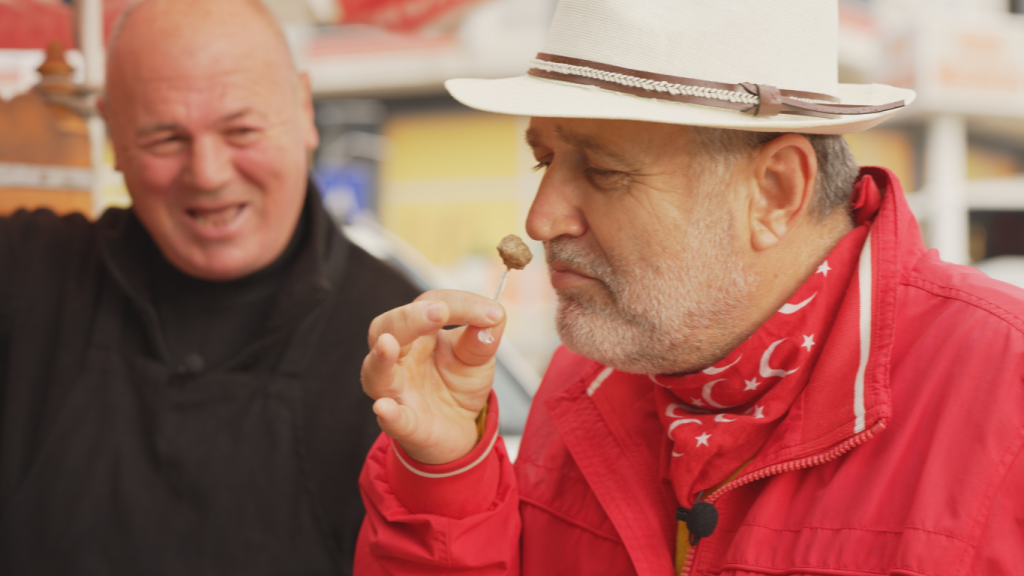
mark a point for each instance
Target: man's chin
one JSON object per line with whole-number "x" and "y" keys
{"x": 219, "y": 265}
{"x": 598, "y": 338}
{"x": 619, "y": 344}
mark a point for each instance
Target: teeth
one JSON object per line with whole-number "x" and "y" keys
{"x": 220, "y": 218}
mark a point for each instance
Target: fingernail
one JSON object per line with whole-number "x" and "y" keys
{"x": 494, "y": 312}
{"x": 485, "y": 336}
{"x": 433, "y": 312}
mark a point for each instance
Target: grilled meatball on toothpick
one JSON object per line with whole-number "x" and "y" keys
{"x": 516, "y": 254}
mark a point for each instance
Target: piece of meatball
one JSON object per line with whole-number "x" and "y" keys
{"x": 514, "y": 252}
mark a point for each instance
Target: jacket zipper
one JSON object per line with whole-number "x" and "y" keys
{"x": 827, "y": 456}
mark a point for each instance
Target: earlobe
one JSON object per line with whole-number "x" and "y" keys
{"x": 761, "y": 238}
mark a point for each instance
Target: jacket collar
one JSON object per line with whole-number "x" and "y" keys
{"x": 125, "y": 245}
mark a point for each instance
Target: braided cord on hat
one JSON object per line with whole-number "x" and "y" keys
{"x": 646, "y": 83}
{"x": 755, "y": 99}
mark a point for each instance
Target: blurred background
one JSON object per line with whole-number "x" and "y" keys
{"x": 423, "y": 182}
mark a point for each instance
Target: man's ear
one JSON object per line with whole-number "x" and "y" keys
{"x": 785, "y": 170}
{"x": 308, "y": 121}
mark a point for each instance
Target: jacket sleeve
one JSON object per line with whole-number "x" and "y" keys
{"x": 45, "y": 247}
{"x": 456, "y": 518}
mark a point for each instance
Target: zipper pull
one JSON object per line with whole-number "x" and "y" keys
{"x": 701, "y": 520}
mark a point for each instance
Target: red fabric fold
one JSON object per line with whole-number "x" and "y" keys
{"x": 866, "y": 199}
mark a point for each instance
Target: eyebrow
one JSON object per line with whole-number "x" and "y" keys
{"x": 173, "y": 126}
{"x": 583, "y": 141}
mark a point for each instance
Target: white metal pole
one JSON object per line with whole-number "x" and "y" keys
{"x": 946, "y": 187}
{"x": 90, "y": 41}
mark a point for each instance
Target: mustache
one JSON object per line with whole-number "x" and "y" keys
{"x": 573, "y": 254}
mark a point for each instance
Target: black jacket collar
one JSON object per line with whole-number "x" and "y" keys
{"x": 125, "y": 244}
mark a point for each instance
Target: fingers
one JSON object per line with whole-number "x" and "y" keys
{"x": 409, "y": 322}
{"x": 476, "y": 346}
{"x": 432, "y": 311}
{"x": 466, "y": 307}
{"x": 429, "y": 385}
{"x": 379, "y": 367}
{"x": 397, "y": 421}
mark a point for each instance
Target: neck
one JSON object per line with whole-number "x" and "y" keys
{"x": 785, "y": 267}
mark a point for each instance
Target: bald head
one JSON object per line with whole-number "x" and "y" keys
{"x": 212, "y": 127}
{"x": 154, "y": 36}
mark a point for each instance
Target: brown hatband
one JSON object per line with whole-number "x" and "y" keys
{"x": 754, "y": 99}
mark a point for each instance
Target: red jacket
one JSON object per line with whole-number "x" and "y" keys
{"x": 926, "y": 478}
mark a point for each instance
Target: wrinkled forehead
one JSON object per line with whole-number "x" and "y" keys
{"x": 199, "y": 98}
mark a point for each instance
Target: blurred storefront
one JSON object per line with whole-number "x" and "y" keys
{"x": 451, "y": 182}
{"x": 44, "y": 144}
{"x": 54, "y": 151}
{"x": 965, "y": 59}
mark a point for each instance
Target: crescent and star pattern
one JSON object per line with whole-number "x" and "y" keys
{"x": 717, "y": 419}
{"x": 674, "y": 411}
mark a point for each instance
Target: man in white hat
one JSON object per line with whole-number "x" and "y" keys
{"x": 764, "y": 371}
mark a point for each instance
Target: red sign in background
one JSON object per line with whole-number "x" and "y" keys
{"x": 34, "y": 23}
{"x": 399, "y": 15}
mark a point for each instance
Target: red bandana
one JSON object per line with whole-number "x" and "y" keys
{"x": 719, "y": 419}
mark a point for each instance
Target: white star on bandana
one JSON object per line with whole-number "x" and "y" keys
{"x": 808, "y": 342}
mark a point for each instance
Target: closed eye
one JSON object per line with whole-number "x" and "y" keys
{"x": 598, "y": 172}
{"x": 603, "y": 179}
{"x": 167, "y": 145}
{"x": 243, "y": 135}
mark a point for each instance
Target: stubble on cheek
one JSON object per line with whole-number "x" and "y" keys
{"x": 599, "y": 319}
{"x": 654, "y": 317}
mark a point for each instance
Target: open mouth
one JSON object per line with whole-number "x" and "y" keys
{"x": 217, "y": 222}
{"x": 215, "y": 218}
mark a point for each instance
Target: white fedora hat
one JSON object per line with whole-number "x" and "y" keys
{"x": 761, "y": 65}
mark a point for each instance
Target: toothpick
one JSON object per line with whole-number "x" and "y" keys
{"x": 501, "y": 285}
{"x": 485, "y": 335}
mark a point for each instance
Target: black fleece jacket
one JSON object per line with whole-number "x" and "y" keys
{"x": 54, "y": 272}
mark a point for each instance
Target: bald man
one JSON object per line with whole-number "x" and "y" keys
{"x": 179, "y": 381}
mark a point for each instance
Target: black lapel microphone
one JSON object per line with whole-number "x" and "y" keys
{"x": 701, "y": 520}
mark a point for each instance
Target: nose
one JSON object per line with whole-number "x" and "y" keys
{"x": 210, "y": 166}
{"x": 555, "y": 210}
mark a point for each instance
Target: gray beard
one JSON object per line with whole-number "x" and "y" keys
{"x": 657, "y": 318}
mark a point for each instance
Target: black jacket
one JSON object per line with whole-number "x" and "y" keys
{"x": 115, "y": 459}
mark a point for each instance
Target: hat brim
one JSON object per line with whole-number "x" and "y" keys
{"x": 532, "y": 96}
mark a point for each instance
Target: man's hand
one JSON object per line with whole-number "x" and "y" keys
{"x": 430, "y": 384}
